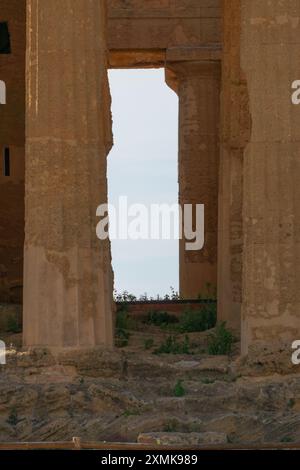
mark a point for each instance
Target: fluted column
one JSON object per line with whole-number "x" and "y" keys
{"x": 197, "y": 83}
{"x": 67, "y": 272}
{"x": 271, "y": 196}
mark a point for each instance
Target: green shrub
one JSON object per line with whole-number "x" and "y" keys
{"x": 13, "y": 417}
{"x": 179, "y": 390}
{"x": 220, "y": 341}
{"x": 207, "y": 381}
{"x": 160, "y": 318}
{"x": 13, "y": 325}
{"x": 124, "y": 321}
{"x": 171, "y": 426}
{"x": 291, "y": 403}
{"x": 198, "y": 320}
{"x": 287, "y": 439}
{"x": 122, "y": 337}
{"x": 148, "y": 343}
{"x": 172, "y": 346}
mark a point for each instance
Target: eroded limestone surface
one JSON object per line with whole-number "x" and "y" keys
{"x": 121, "y": 395}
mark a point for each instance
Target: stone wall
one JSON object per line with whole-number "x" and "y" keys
{"x": 12, "y": 136}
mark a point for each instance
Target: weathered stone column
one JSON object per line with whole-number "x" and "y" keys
{"x": 270, "y": 44}
{"x": 196, "y": 78}
{"x": 234, "y": 135}
{"x": 68, "y": 277}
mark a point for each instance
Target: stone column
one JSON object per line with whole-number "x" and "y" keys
{"x": 68, "y": 276}
{"x": 234, "y": 135}
{"x": 196, "y": 78}
{"x": 270, "y": 44}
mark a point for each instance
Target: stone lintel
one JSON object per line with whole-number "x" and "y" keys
{"x": 188, "y": 62}
{"x": 154, "y": 58}
{"x": 136, "y": 59}
{"x": 211, "y": 52}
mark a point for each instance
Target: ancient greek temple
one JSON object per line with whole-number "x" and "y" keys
{"x": 232, "y": 63}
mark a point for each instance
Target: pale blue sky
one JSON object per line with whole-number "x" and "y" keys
{"x": 143, "y": 166}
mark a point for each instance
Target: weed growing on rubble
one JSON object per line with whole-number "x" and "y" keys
{"x": 122, "y": 338}
{"x": 13, "y": 417}
{"x": 172, "y": 346}
{"x": 179, "y": 390}
{"x": 221, "y": 341}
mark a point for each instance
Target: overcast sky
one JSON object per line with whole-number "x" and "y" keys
{"x": 143, "y": 166}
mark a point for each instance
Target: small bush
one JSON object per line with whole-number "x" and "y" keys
{"x": 179, "y": 390}
{"x": 121, "y": 320}
{"x": 122, "y": 338}
{"x": 287, "y": 439}
{"x": 13, "y": 325}
{"x": 198, "y": 320}
{"x": 220, "y": 342}
{"x": 148, "y": 343}
{"x": 160, "y": 318}
{"x": 124, "y": 322}
{"x": 171, "y": 426}
{"x": 13, "y": 417}
{"x": 207, "y": 381}
{"x": 291, "y": 403}
{"x": 172, "y": 346}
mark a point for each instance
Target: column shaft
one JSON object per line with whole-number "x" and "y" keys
{"x": 68, "y": 276}
{"x": 199, "y": 95}
{"x": 271, "y": 258}
{"x": 234, "y": 135}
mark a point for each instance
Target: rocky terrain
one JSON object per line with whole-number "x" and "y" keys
{"x": 131, "y": 393}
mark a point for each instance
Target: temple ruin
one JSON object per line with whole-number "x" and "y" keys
{"x": 232, "y": 63}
